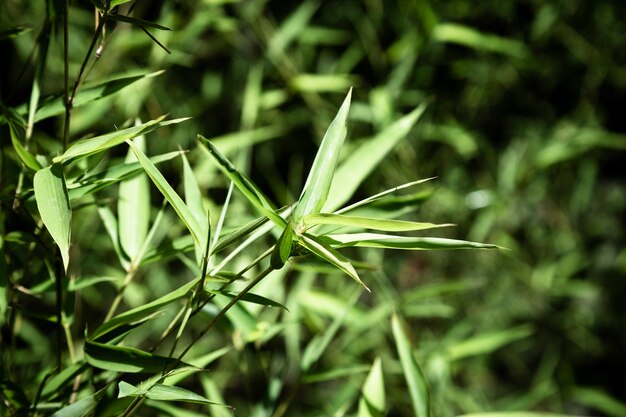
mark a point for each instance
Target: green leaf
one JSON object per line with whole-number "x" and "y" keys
{"x": 135, "y": 21}
{"x": 13, "y": 31}
{"x": 162, "y": 392}
{"x": 330, "y": 255}
{"x": 318, "y": 182}
{"x": 243, "y": 184}
{"x": 372, "y": 401}
{"x": 252, "y": 298}
{"x": 86, "y": 147}
{"x": 195, "y": 228}
{"x": 366, "y": 157}
{"x": 114, "y": 3}
{"x": 368, "y": 222}
{"x": 133, "y": 209}
{"x": 283, "y": 248}
{"x": 62, "y": 379}
{"x": 26, "y": 157}
{"x": 54, "y": 207}
{"x": 83, "y": 407}
{"x": 487, "y": 342}
{"x": 140, "y": 313}
{"x": 375, "y": 240}
{"x": 418, "y": 388}
{"x": 467, "y": 36}
{"x": 126, "y": 359}
{"x": 514, "y": 414}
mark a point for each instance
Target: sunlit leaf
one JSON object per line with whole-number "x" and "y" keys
{"x": 195, "y": 228}
{"x": 369, "y": 153}
{"x": 330, "y": 255}
{"x": 375, "y": 240}
{"x": 372, "y": 401}
{"x": 162, "y": 392}
{"x": 54, "y": 207}
{"x": 133, "y": 208}
{"x": 472, "y": 38}
{"x": 283, "y": 248}
{"x": 135, "y": 21}
{"x": 368, "y": 222}
{"x": 26, "y": 157}
{"x": 486, "y": 343}
{"x": 92, "y": 146}
{"x": 243, "y": 184}
{"x": 318, "y": 182}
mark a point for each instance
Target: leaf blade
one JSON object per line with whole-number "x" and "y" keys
{"x": 369, "y": 222}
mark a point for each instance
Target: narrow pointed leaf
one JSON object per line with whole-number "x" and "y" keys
{"x": 54, "y": 207}
{"x": 114, "y": 3}
{"x": 515, "y": 414}
{"x": 133, "y": 208}
{"x": 196, "y": 230}
{"x": 330, "y": 255}
{"x": 486, "y": 343}
{"x": 26, "y": 157}
{"x": 162, "y": 392}
{"x": 375, "y": 240}
{"x": 372, "y": 402}
{"x": 92, "y": 146}
{"x": 283, "y": 247}
{"x": 369, "y": 154}
{"x": 126, "y": 359}
{"x": 418, "y": 388}
{"x": 252, "y": 298}
{"x": 138, "y": 314}
{"x": 243, "y": 184}
{"x": 369, "y": 222}
{"x": 82, "y": 408}
{"x": 135, "y": 21}
{"x": 318, "y": 182}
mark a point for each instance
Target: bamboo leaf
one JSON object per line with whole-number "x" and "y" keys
{"x": 26, "y": 157}
{"x": 196, "y": 230}
{"x": 470, "y": 37}
{"x": 86, "y": 147}
{"x": 318, "y": 182}
{"x": 114, "y": 3}
{"x": 372, "y": 401}
{"x": 368, "y": 222}
{"x": 488, "y": 342}
{"x": 330, "y": 255}
{"x": 162, "y": 392}
{"x": 83, "y": 407}
{"x": 283, "y": 248}
{"x": 418, "y": 388}
{"x": 514, "y": 414}
{"x": 126, "y": 359}
{"x": 135, "y": 21}
{"x": 140, "y": 313}
{"x": 252, "y": 298}
{"x": 243, "y": 184}
{"x": 54, "y": 207}
{"x": 133, "y": 208}
{"x": 375, "y": 240}
{"x": 369, "y": 154}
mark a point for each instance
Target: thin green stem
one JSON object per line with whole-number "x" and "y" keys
{"x": 66, "y": 74}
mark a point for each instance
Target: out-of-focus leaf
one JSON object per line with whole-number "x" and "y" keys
{"x": 487, "y": 342}
{"x": 13, "y": 32}
{"x": 368, "y": 222}
{"x": 126, "y": 359}
{"x": 135, "y": 21}
{"x": 466, "y": 36}
{"x": 195, "y": 228}
{"x": 139, "y": 313}
{"x": 291, "y": 27}
{"x": 162, "y": 392}
{"x": 375, "y": 240}
{"x": 599, "y": 400}
{"x": 366, "y": 157}
{"x": 514, "y": 414}
{"x": 114, "y": 3}
{"x": 62, "y": 379}
{"x": 318, "y": 182}
{"x": 372, "y": 401}
{"x": 418, "y": 387}
{"x": 54, "y": 207}
{"x": 243, "y": 184}
{"x": 92, "y": 146}
{"x": 322, "y": 83}
{"x": 83, "y": 407}
{"x": 53, "y": 105}
{"x": 133, "y": 208}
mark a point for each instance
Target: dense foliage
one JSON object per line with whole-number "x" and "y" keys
{"x": 201, "y": 262}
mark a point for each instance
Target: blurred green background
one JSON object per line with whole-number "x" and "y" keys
{"x": 525, "y": 132}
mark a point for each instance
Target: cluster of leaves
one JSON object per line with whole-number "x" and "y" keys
{"x": 89, "y": 227}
